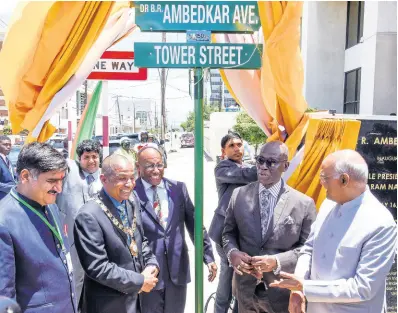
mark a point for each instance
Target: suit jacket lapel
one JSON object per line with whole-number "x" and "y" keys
{"x": 170, "y": 197}
{"x": 108, "y": 203}
{"x": 144, "y": 201}
{"x": 254, "y": 206}
{"x": 11, "y": 171}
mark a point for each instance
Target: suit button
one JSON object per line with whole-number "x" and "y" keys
{"x": 73, "y": 294}
{"x": 58, "y": 246}
{"x": 64, "y": 261}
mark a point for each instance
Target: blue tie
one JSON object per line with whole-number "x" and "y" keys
{"x": 90, "y": 179}
{"x": 123, "y": 216}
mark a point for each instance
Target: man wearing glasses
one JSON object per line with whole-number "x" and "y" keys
{"x": 166, "y": 207}
{"x": 266, "y": 224}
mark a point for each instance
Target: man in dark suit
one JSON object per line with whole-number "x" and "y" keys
{"x": 166, "y": 208}
{"x": 81, "y": 184}
{"x": 112, "y": 248}
{"x": 266, "y": 224}
{"x": 230, "y": 173}
{"x": 36, "y": 270}
{"x": 7, "y": 174}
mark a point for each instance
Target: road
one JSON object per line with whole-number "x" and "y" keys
{"x": 181, "y": 167}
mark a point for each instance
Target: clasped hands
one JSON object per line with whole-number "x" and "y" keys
{"x": 150, "y": 278}
{"x": 255, "y": 266}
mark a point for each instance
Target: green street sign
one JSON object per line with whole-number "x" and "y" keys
{"x": 215, "y": 16}
{"x": 188, "y": 55}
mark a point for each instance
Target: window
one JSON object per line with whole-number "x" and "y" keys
{"x": 354, "y": 31}
{"x": 352, "y": 89}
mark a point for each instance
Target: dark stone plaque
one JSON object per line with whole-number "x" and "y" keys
{"x": 377, "y": 143}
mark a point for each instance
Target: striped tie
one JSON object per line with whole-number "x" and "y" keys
{"x": 157, "y": 207}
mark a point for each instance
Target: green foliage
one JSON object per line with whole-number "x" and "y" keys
{"x": 7, "y": 130}
{"x": 310, "y": 110}
{"x": 249, "y": 130}
{"x": 189, "y": 124}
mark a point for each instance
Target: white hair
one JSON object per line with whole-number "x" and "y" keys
{"x": 358, "y": 172}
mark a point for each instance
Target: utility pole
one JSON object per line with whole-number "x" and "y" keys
{"x": 132, "y": 100}
{"x": 118, "y": 110}
{"x": 163, "y": 95}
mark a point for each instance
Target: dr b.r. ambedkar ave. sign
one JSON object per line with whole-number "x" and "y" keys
{"x": 215, "y": 16}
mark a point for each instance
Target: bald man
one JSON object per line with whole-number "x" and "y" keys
{"x": 119, "y": 265}
{"x": 351, "y": 248}
{"x": 166, "y": 210}
{"x": 266, "y": 224}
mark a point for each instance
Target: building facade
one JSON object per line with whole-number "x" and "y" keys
{"x": 349, "y": 53}
{"x": 219, "y": 94}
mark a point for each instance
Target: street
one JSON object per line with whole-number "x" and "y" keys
{"x": 181, "y": 167}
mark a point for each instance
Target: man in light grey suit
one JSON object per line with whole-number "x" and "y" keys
{"x": 81, "y": 184}
{"x": 266, "y": 224}
{"x": 345, "y": 261}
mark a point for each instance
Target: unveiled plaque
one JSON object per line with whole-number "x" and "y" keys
{"x": 377, "y": 143}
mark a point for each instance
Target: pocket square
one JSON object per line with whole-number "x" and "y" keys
{"x": 288, "y": 220}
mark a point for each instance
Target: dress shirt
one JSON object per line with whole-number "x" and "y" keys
{"x": 95, "y": 174}
{"x": 347, "y": 257}
{"x": 7, "y": 160}
{"x": 163, "y": 197}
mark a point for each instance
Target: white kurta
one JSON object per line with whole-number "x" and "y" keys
{"x": 347, "y": 257}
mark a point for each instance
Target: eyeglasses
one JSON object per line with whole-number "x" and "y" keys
{"x": 151, "y": 167}
{"x": 271, "y": 163}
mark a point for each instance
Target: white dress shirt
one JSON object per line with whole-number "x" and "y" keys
{"x": 347, "y": 257}
{"x": 163, "y": 196}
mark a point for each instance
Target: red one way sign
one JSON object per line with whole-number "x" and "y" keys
{"x": 117, "y": 65}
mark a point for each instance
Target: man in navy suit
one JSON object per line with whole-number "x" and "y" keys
{"x": 7, "y": 174}
{"x": 119, "y": 266}
{"x": 166, "y": 208}
{"x": 36, "y": 269}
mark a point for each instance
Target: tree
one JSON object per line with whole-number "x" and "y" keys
{"x": 7, "y": 130}
{"x": 189, "y": 124}
{"x": 249, "y": 130}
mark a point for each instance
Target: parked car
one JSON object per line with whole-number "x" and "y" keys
{"x": 187, "y": 140}
{"x": 13, "y": 156}
{"x": 57, "y": 144}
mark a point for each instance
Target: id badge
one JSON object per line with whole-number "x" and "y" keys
{"x": 69, "y": 262}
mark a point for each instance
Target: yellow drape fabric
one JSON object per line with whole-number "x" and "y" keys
{"x": 63, "y": 33}
{"x": 323, "y": 137}
{"x": 282, "y": 74}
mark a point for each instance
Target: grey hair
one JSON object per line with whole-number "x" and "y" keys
{"x": 357, "y": 171}
{"x": 111, "y": 163}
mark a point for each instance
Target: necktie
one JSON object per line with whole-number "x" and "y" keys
{"x": 123, "y": 216}
{"x": 264, "y": 211}
{"x": 90, "y": 179}
{"x": 157, "y": 207}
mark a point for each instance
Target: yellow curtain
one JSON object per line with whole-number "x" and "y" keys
{"x": 63, "y": 36}
{"x": 323, "y": 137}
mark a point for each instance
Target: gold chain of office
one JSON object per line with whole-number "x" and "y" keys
{"x": 129, "y": 231}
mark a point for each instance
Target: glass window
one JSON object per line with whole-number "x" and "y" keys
{"x": 355, "y": 15}
{"x": 352, "y": 89}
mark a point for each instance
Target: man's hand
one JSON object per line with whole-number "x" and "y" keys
{"x": 150, "y": 270}
{"x": 241, "y": 262}
{"x": 289, "y": 281}
{"x": 212, "y": 271}
{"x": 265, "y": 263}
{"x": 297, "y": 302}
{"x": 149, "y": 282}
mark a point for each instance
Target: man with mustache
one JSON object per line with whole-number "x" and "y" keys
{"x": 7, "y": 173}
{"x": 35, "y": 263}
{"x": 118, "y": 263}
{"x": 166, "y": 210}
{"x": 230, "y": 174}
{"x": 266, "y": 224}
{"x": 81, "y": 184}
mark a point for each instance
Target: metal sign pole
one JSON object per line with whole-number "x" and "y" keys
{"x": 198, "y": 97}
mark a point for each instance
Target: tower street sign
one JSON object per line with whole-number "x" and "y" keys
{"x": 188, "y": 55}
{"x": 215, "y": 16}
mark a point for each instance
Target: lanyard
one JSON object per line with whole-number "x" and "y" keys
{"x": 56, "y": 232}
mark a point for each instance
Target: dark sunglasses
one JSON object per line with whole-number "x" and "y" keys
{"x": 271, "y": 163}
